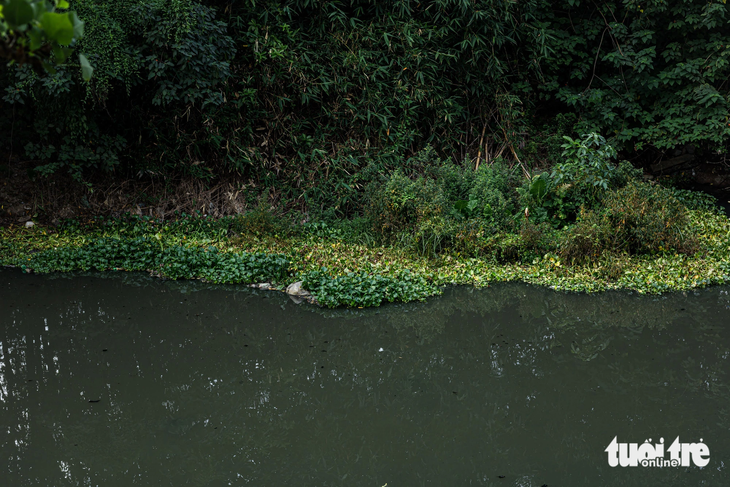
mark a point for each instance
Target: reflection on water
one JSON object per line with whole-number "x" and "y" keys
{"x": 123, "y": 380}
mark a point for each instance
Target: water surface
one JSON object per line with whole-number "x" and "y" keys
{"x": 119, "y": 380}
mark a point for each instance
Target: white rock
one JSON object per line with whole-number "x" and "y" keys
{"x": 29, "y": 224}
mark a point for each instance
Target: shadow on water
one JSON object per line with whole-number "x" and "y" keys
{"x": 119, "y": 379}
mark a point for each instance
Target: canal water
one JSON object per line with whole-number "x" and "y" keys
{"x": 120, "y": 380}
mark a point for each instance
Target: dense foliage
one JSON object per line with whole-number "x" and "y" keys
{"x": 313, "y": 99}
{"x": 638, "y": 218}
{"x": 146, "y": 55}
{"x": 178, "y": 262}
{"x": 341, "y": 270}
{"x": 650, "y": 73}
{"x": 583, "y": 208}
{"x": 178, "y": 250}
{"x": 444, "y": 129}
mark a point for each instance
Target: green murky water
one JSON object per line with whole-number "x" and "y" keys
{"x": 119, "y": 380}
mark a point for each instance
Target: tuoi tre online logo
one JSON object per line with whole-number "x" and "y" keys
{"x": 653, "y": 455}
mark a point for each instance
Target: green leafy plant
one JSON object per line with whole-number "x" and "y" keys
{"x": 584, "y": 177}
{"x": 587, "y": 162}
{"x": 359, "y": 290}
{"x": 171, "y": 54}
{"x": 261, "y": 222}
{"x": 174, "y": 262}
{"x": 41, "y": 33}
{"x": 492, "y": 195}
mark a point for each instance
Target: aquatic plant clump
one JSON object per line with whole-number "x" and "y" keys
{"x": 176, "y": 262}
{"x": 360, "y": 290}
{"x": 341, "y": 264}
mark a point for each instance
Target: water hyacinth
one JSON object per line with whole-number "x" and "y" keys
{"x": 340, "y": 270}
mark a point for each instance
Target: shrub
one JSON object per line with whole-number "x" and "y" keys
{"x": 695, "y": 200}
{"x": 623, "y": 174}
{"x": 591, "y": 236}
{"x": 637, "y": 219}
{"x": 404, "y": 204}
{"x": 454, "y": 180}
{"x": 261, "y": 222}
{"x": 429, "y": 215}
{"x": 492, "y": 194}
{"x": 587, "y": 161}
{"x": 450, "y": 207}
{"x": 433, "y": 235}
{"x": 581, "y": 181}
{"x": 471, "y": 238}
{"x": 536, "y": 239}
{"x": 530, "y": 241}
{"x": 563, "y": 124}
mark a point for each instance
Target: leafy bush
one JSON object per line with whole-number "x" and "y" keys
{"x": 587, "y": 162}
{"x": 471, "y": 238}
{"x": 150, "y": 52}
{"x": 581, "y": 180}
{"x": 402, "y": 204}
{"x": 429, "y": 215}
{"x": 491, "y": 195}
{"x": 41, "y": 34}
{"x": 623, "y": 174}
{"x": 535, "y": 240}
{"x": 563, "y": 124}
{"x": 314, "y": 98}
{"x": 432, "y": 236}
{"x": 530, "y": 241}
{"x": 637, "y": 219}
{"x": 261, "y": 222}
{"x": 454, "y": 180}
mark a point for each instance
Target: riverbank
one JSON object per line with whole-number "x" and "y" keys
{"x": 334, "y": 266}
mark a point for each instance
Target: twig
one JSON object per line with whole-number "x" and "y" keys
{"x": 481, "y": 141}
{"x": 595, "y": 61}
{"x": 522, "y": 166}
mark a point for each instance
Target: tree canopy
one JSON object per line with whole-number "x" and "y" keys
{"x": 321, "y": 95}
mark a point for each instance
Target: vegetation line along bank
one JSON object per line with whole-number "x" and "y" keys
{"x": 646, "y": 238}
{"x": 375, "y": 151}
